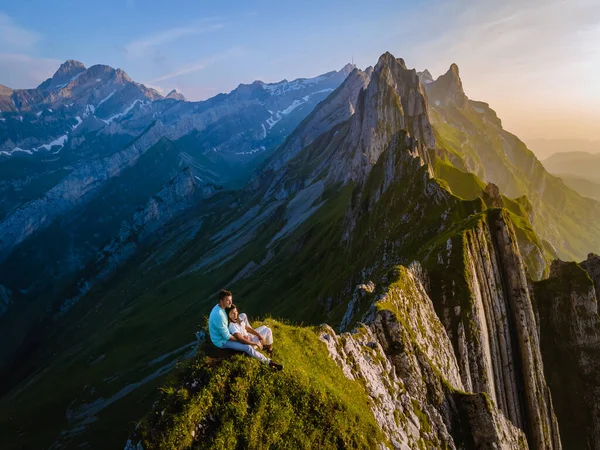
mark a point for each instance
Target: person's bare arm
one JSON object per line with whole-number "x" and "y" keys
{"x": 242, "y": 339}
{"x": 251, "y": 330}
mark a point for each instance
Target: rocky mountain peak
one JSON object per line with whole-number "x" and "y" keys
{"x": 387, "y": 101}
{"x": 393, "y": 101}
{"x": 425, "y": 77}
{"x": 176, "y": 95}
{"x": 448, "y": 88}
{"x": 121, "y": 76}
{"x": 68, "y": 71}
{"x": 69, "y": 68}
{"x": 5, "y": 90}
{"x": 387, "y": 59}
{"x": 348, "y": 68}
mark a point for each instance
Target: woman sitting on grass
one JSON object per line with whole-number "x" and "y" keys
{"x": 238, "y": 323}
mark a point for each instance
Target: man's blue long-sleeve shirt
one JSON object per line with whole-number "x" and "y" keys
{"x": 218, "y": 326}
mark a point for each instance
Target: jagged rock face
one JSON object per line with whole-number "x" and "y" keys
{"x": 447, "y": 89}
{"x": 567, "y": 303}
{"x": 394, "y": 100}
{"x": 64, "y": 74}
{"x": 493, "y": 328}
{"x": 391, "y": 106}
{"x": 407, "y": 364}
{"x": 492, "y": 193}
{"x": 592, "y": 266}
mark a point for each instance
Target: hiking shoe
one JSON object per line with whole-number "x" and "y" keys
{"x": 275, "y": 365}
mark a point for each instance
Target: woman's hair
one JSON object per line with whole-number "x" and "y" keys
{"x": 227, "y": 310}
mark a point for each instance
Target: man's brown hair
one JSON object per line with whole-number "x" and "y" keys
{"x": 224, "y": 293}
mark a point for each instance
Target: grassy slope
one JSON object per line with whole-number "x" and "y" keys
{"x": 240, "y": 403}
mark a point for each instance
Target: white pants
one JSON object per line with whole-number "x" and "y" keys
{"x": 263, "y": 330}
{"x": 266, "y": 334}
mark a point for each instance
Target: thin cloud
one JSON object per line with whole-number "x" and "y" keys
{"x": 13, "y": 34}
{"x": 20, "y": 71}
{"x": 198, "y": 65}
{"x": 144, "y": 46}
{"x": 517, "y": 54}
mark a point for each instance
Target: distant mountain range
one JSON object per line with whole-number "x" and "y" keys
{"x": 577, "y": 164}
{"x": 544, "y": 148}
{"x": 583, "y": 186}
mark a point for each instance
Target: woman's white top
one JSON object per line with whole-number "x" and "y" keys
{"x": 238, "y": 328}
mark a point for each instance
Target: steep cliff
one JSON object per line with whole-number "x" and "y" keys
{"x": 480, "y": 289}
{"x": 570, "y": 342}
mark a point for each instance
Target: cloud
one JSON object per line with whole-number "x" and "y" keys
{"x": 20, "y": 71}
{"x": 150, "y": 44}
{"x": 159, "y": 89}
{"x": 535, "y": 62}
{"x": 12, "y": 34}
{"x": 198, "y": 65}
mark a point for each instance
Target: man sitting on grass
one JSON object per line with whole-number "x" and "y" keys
{"x": 222, "y": 338}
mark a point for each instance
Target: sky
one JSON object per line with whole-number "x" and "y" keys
{"x": 537, "y": 63}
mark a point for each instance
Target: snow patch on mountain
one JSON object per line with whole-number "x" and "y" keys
{"x": 286, "y": 86}
{"x": 277, "y": 116}
{"x": 106, "y": 98}
{"x": 89, "y": 110}
{"x": 60, "y": 142}
{"x": 124, "y": 113}
{"x": 251, "y": 152}
{"x": 78, "y": 119}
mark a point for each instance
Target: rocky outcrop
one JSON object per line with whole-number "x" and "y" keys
{"x": 391, "y": 108}
{"x": 393, "y": 101}
{"x": 481, "y": 292}
{"x": 567, "y": 303}
{"x": 176, "y": 95}
{"x": 447, "y": 89}
{"x": 425, "y": 77}
{"x": 406, "y": 362}
{"x": 592, "y": 267}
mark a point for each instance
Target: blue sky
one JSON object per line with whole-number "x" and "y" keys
{"x": 536, "y": 62}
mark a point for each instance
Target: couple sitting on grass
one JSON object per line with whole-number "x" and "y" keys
{"x": 231, "y": 330}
